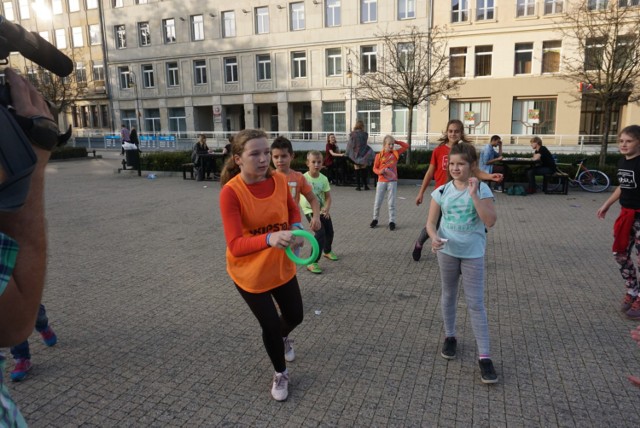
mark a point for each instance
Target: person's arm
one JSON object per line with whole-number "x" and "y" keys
{"x": 486, "y": 176}
{"x": 376, "y": 164}
{"x": 403, "y": 147}
{"x": 536, "y": 156}
{"x": 425, "y": 183}
{"x": 485, "y": 208}
{"x": 432, "y": 221}
{"x": 327, "y": 205}
{"x": 602, "y": 211}
{"x": 336, "y": 154}
{"x": 20, "y": 301}
{"x": 314, "y": 224}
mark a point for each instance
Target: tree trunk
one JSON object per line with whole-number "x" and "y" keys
{"x": 408, "y": 159}
{"x": 605, "y": 133}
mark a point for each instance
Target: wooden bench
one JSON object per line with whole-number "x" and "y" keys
{"x": 558, "y": 176}
{"x": 187, "y": 167}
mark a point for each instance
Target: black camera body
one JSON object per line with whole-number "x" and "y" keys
{"x": 17, "y": 157}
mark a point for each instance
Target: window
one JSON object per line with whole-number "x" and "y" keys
{"x": 76, "y": 37}
{"x": 462, "y": 110}
{"x": 486, "y": 10}
{"x": 8, "y": 11}
{"x": 369, "y": 112}
{"x": 368, "y": 59}
{"x": 104, "y": 115}
{"x": 483, "y": 61}
{"x": 95, "y": 36}
{"x": 334, "y": 116}
{"x": 551, "y": 56}
{"x": 74, "y": 5}
{"x": 229, "y": 24}
{"x": 169, "y": 30}
{"x": 406, "y": 9}
{"x": 200, "y": 72}
{"x": 23, "y": 6}
{"x": 553, "y": 6}
{"x": 61, "y": 39}
{"x": 148, "y": 76}
{"x": 299, "y": 64}
{"x": 296, "y": 13}
{"x": 526, "y": 8}
{"x": 457, "y": 62}
{"x": 144, "y": 34}
{"x": 231, "y": 70}
{"x": 459, "y": 10}
{"x": 121, "y": 36}
{"x": 56, "y": 7}
{"x": 524, "y": 56}
{"x": 32, "y": 75}
{"x": 406, "y": 59}
{"x": 624, "y": 55}
{"x": 173, "y": 76}
{"x": 400, "y": 121}
{"x": 98, "y": 70}
{"x": 368, "y": 11}
{"x": 44, "y": 35}
{"x": 152, "y": 120}
{"x": 332, "y": 13}
{"x": 124, "y": 76}
{"x": 521, "y": 123}
{"x": 94, "y": 116}
{"x": 597, "y": 4}
{"x": 142, "y": 1}
{"x": 334, "y": 62}
{"x": 81, "y": 72}
{"x": 197, "y": 27}
{"x": 178, "y": 121}
{"x": 625, "y": 3}
{"x": 262, "y": 20}
{"x": 92, "y": 4}
{"x": 117, "y": 3}
{"x": 128, "y": 117}
{"x": 263, "y": 65}
{"x": 593, "y": 55}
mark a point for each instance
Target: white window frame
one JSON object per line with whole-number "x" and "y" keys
{"x": 45, "y": 35}
{"x": 81, "y": 72}
{"x": 92, "y": 4}
{"x": 553, "y": 6}
{"x": 486, "y": 10}
{"x": 333, "y": 58}
{"x": 299, "y": 64}
{"x": 333, "y": 13}
{"x": 173, "y": 74}
{"x": 24, "y": 8}
{"x": 197, "y": 28}
{"x": 148, "y": 76}
{"x": 74, "y": 6}
{"x": 124, "y": 77}
{"x": 522, "y": 49}
{"x": 77, "y": 37}
{"x": 169, "y": 31}
{"x": 61, "y": 38}
{"x": 554, "y": 49}
{"x": 231, "y": 70}
{"x": 367, "y": 65}
{"x": 9, "y": 13}
{"x": 525, "y": 8}
{"x": 117, "y": 3}
{"x": 368, "y": 11}
{"x": 97, "y": 71}
{"x": 229, "y": 24}
{"x": 263, "y": 67}
{"x": 144, "y": 33}
{"x": 461, "y": 14}
{"x": 406, "y": 9}
{"x": 297, "y": 19}
{"x": 458, "y": 53}
{"x": 597, "y": 4}
{"x": 476, "y": 57}
{"x": 120, "y": 32}
{"x": 177, "y": 121}
{"x": 200, "y": 72}
{"x": 95, "y": 34}
{"x": 56, "y": 7}
{"x": 262, "y": 19}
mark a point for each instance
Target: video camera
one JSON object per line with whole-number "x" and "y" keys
{"x": 17, "y": 158}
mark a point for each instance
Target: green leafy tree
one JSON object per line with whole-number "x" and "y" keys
{"x": 412, "y": 71}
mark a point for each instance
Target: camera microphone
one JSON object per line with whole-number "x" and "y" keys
{"x": 33, "y": 47}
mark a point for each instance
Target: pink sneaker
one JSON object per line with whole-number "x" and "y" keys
{"x": 49, "y": 337}
{"x": 19, "y": 372}
{"x": 634, "y": 312}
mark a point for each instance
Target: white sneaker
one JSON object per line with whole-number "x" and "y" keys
{"x": 280, "y": 388}
{"x": 289, "y": 353}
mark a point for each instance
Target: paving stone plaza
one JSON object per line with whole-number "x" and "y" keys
{"x": 152, "y": 332}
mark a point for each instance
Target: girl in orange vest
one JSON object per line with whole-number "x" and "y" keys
{"x": 258, "y": 213}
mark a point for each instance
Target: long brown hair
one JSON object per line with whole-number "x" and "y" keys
{"x": 230, "y": 168}
{"x": 445, "y": 138}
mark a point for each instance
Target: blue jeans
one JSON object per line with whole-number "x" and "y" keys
{"x": 22, "y": 350}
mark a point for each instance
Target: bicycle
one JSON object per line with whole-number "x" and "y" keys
{"x": 590, "y": 180}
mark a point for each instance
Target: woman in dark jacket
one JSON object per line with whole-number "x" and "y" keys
{"x": 360, "y": 153}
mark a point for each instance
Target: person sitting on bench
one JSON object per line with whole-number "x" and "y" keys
{"x": 544, "y": 163}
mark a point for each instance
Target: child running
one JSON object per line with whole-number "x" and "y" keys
{"x": 467, "y": 208}
{"x": 281, "y": 155}
{"x": 438, "y": 170}
{"x": 626, "y": 230}
{"x": 322, "y": 191}
{"x": 385, "y": 166}
{"x": 258, "y": 213}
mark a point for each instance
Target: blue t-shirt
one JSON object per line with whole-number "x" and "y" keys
{"x": 460, "y": 223}
{"x": 487, "y": 154}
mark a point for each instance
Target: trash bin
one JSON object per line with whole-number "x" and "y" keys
{"x": 131, "y": 155}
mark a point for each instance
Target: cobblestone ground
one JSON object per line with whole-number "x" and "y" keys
{"x": 152, "y": 332}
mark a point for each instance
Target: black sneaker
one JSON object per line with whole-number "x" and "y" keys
{"x": 487, "y": 372}
{"x": 392, "y": 226}
{"x": 449, "y": 348}
{"x": 374, "y": 223}
{"x": 417, "y": 252}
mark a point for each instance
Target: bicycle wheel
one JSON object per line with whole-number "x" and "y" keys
{"x": 592, "y": 180}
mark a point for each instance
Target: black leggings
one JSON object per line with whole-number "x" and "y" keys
{"x": 324, "y": 236}
{"x": 274, "y": 326}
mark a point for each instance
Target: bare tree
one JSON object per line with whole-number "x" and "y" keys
{"x": 605, "y": 63}
{"x": 413, "y": 70}
{"x": 62, "y": 92}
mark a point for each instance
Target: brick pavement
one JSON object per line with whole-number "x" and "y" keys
{"x": 152, "y": 333}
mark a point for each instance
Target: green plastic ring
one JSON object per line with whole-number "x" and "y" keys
{"x": 315, "y": 248}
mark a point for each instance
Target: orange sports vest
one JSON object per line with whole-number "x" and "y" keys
{"x": 269, "y": 268}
